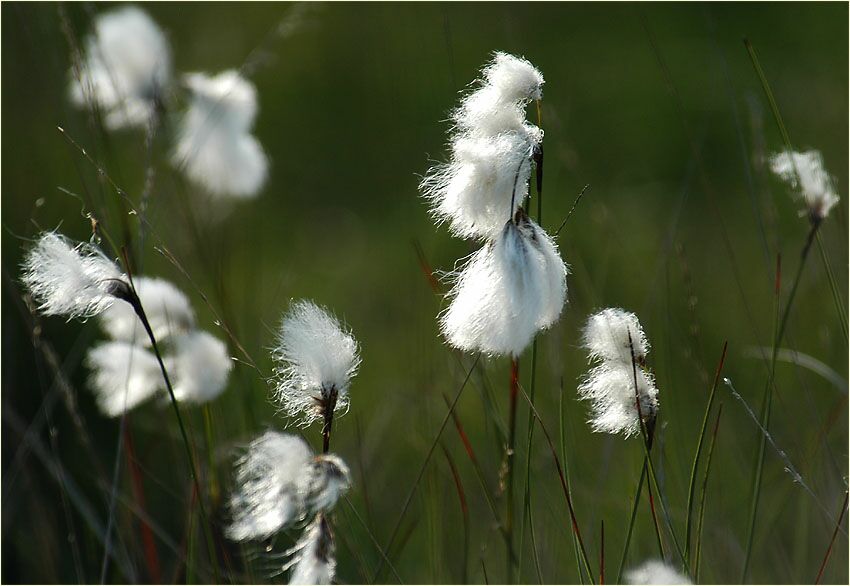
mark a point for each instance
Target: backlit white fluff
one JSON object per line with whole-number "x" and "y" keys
{"x": 127, "y": 64}
{"x": 77, "y": 282}
{"x": 199, "y": 366}
{"x": 123, "y": 376}
{"x": 167, "y": 308}
{"x": 610, "y": 386}
{"x": 498, "y": 104}
{"x": 215, "y": 147}
{"x": 656, "y": 572}
{"x": 806, "y": 172}
{"x": 606, "y": 336}
{"x": 267, "y": 496}
{"x": 315, "y": 357}
{"x": 327, "y": 479}
{"x": 475, "y": 191}
{"x": 509, "y": 289}
{"x": 313, "y": 560}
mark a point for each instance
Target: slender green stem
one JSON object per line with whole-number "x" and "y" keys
{"x": 137, "y": 307}
{"x": 701, "y": 515}
{"x": 631, "y": 522}
{"x": 208, "y": 435}
{"x": 527, "y": 511}
{"x": 566, "y": 467}
{"x": 698, "y": 451}
{"x": 424, "y": 465}
{"x": 833, "y": 285}
{"x": 509, "y": 500}
{"x": 779, "y": 331}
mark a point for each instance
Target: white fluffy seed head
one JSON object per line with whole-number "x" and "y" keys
{"x": 77, "y": 282}
{"x": 610, "y": 389}
{"x": 484, "y": 183}
{"x": 656, "y": 572}
{"x": 606, "y": 337}
{"x": 326, "y": 480}
{"x": 806, "y": 173}
{"x": 167, "y": 308}
{"x": 200, "y": 367}
{"x": 267, "y": 496}
{"x": 506, "y": 292}
{"x": 498, "y": 104}
{"x": 122, "y": 376}
{"x": 215, "y": 147}
{"x": 127, "y": 64}
{"x": 313, "y": 560}
{"x": 315, "y": 357}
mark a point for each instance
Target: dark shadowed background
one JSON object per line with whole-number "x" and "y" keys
{"x": 656, "y": 106}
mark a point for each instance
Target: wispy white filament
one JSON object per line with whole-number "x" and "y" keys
{"x": 805, "y": 172}
{"x": 279, "y": 482}
{"x": 126, "y": 66}
{"x": 507, "y": 291}
{"x": 610, "y": 387}
{"x": 606, "y": 336}
{"x": 200, "y": 367}
{"x": 656, "y": 572}
{"x": 123, "y": 376}
{"x": 486, "y": 178}
{"x": 167, "y": 308}
{"x": 315, "y": 356}
{"x": 77, "y": 282}
{"x": 267, "y": 496}
{"x": 313, "y": 560}
{"x": 484, "y": 183}
{"x": 215, "y": 147}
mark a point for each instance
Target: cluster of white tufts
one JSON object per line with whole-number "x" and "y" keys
{"x": 74, "y": 280}
{"x": 656, "y": 572}
{"x": 315, "y": 359}
{"x": 486, "y": 179}
{"x": 279, "y": 482}
{"x": 215, "y": 147}
{"x": 805, "y": 172}
{"x": 125, "y": 69}
{"x": 516, "y": 284}
{"x": 125, "y": 373}
{"x": 615, "y": 339}
{"x": 126, "y": 73}
{"x": 312, "y": 558}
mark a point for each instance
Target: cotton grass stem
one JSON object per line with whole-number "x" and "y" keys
{"x": 137, "y": 307}
{"x": 422, "y": 468}
{"x": 698, "y": 451}
{"x": 509, "y": 460}
{"x": 833, "y": 285}
{"x": 701, "y": 514}
{"x": 631, "y": 526}
{"x": 832, "y": 540}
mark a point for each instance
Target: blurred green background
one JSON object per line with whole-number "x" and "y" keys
{"x": 655, "y": 106}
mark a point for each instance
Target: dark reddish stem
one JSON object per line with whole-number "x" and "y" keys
{"x": 151, "y": 556}
{"x": 832, "y": 541}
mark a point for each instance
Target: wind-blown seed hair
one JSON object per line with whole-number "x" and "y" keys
{"x": 506, "y": 292}
{"x": 614, "y": 386}
{"x": 268, "y": 496}
{"x": 122, "y": 376}
{"x": 806, "y": 172}
{"x": 126, "y": 66}
{"x": 484, "y": 183}
{"x": 327, "y": 479}
{"x": 200, "y": 366}
{"x": 167, "y": 308}
{"x": 215, "y": 147}
{"x": 656, "y": 572}
{"x": 313, "y": 560}
{"x": 315, "y": 357}
{"x": 606, "y": 336}
{"x": 77, "y": 282}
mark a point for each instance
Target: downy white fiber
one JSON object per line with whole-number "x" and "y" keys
{"x": 122, "y": 376}
{"x": 806, "y": 172}
{"x": 313, "y": 560}
{"x": 606, "y": 336}
{"x": 167, "y": 308}
{"x": 314, "y": 356}
{"x": 77, "y": 282}
{"x": 656, "y": 572}
{"x": 506, "y": 292}
{"x": 200, "y": 367}
{"x": 215, "y": 147}
{"x": 126, "y": 66}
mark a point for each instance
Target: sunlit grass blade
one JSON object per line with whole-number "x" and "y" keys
{"x": 698, "y": 451}
{"x": 833, "y": 287}
{"x": 701, "y": 514}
